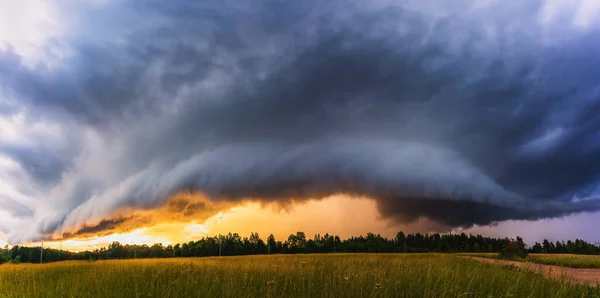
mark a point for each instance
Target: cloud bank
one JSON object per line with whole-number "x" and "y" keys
{"x": 464, "y": 114}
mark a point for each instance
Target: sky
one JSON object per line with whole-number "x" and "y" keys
{"x": 161, "y": 121}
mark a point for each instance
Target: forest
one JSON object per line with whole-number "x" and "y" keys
{"x": 233, "y": 244}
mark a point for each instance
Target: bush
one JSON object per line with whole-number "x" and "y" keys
{"x": 17, "y": 260}
{"x": 514, "y": 249}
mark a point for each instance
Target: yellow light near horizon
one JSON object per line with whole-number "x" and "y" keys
{"x": 165, "y": 234}
{"x": 195, "y": 229}
{"x": 340, "y": 215}
{"x": 139, "y": 236}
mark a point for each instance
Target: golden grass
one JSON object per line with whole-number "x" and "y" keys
{"x": 564, "y": 260}
{"x": 331, "y": 275}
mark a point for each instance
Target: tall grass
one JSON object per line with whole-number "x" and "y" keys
{"x": 563, "y": 260}
{"x": 337, "y": 275}
{"x": 566, "y": 260}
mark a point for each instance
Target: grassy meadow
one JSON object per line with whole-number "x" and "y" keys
{"x": 331, "y": 275}
{"x": 566, "y": 260}
{"x": 563, "y": 260}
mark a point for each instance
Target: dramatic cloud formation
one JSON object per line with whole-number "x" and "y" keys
{"x": 464, "y": 113}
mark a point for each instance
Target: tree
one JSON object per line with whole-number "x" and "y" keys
{"x": 14, "y": 252}
{"x": 297, "y": 242}
{"x": 560, "y": 247}
{"x": 301, "y": 238}
{"x": 537, "y": 248}
{"x": 546, "y": 246}
{"x": 257, "y": 245}
{"x": 271, "y": 243}
{"x": 177, "y": 250}
{"x": 514, "y": 249}
{"x": 443, "y": 244}
{"x": 476, "y": 247}
{"x": 116, "y": 250}
{"x": 401, "y": 241}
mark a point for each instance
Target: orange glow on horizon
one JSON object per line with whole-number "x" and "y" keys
{"x": 165, "y": 233}
{"x": 340, "y": 215}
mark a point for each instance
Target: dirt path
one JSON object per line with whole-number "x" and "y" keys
{"x": 581, "y": 275}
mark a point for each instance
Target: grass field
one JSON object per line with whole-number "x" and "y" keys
{"x": 340, "y": 275}
{"x": 564, "y": 260}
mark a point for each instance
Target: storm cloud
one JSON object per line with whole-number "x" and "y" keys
{"x": 464, "y": 114}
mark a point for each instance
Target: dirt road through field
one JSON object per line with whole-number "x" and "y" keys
{"x": 581, "y": 275}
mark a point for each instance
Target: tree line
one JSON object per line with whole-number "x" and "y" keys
{"x": 233, "y": 244}
{"x": 570, "y": 247}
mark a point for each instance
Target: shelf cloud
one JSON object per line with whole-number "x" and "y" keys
{"x": 463, "y": 114}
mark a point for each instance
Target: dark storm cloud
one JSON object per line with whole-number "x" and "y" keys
{"x": 78, "y": 90}
{"x": 457, "y": 117}
{"x": 103, "y": 228}
{"x": 14, "y": 207}
{"x": 40, "y": 164}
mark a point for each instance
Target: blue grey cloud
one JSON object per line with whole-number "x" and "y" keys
{"x": 37, "y": 162}
{"x": 14, "y": 207}
{"x": 464, "y": 116}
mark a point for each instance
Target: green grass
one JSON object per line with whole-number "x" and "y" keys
{"x": 339, "y": 275}
{"x": 564, "y": 260}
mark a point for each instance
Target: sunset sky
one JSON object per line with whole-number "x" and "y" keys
{"x": 166, "y": 121}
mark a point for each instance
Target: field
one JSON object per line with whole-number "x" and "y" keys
{"x": 563, "y": 260}
{"x": 338, "y": 275}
